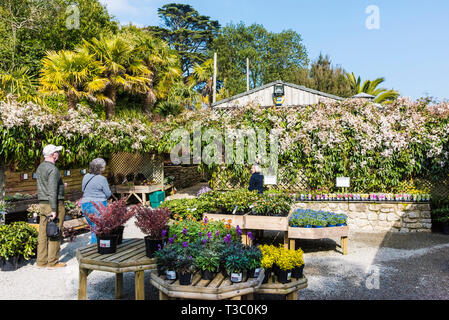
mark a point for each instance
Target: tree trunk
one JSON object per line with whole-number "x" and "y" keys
{"x": 72, "y": 101}
{"x": 149, "y": 99}
{"x": 111, "y": 93}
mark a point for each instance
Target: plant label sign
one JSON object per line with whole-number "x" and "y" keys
{"x": 256, "y": 272}
{"x": 269, "y": 180}
{"x": 343, "y": 182}
{"x": 171, "y": 275}
{"x": 105, "y": 243}
{"x": 236, "y": 277}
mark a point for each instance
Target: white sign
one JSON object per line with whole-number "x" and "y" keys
{"x": 269, "y": 179}
{"x": 343, "y": 182}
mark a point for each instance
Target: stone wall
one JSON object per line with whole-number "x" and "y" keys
{"x": 185, "y": 176}
{"x": 370, "y": 216}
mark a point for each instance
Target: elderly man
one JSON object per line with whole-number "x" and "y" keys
{"x": 50, "y": 191}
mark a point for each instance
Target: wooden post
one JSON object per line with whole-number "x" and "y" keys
{"x": 286, "y": 239}
{"x": 163, "y": 296}
{"x": 118, "y": 285}
{"x": 214, "y": 95}
{"x": 139, "y": 280}
{"x": 247, "y": 74}
{"x": 293, "y": 295}
{"x": 292, "y": 244}
{"x": 344, "y": 245}
{"x": 82, "y": 286}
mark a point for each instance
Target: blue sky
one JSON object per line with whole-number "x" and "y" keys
{"x": 410, "y": 49}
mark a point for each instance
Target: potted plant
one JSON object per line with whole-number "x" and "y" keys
{"x": 332, "y": 221}
{"x": 208, "y": 261}
{"x": 340, "y": 220}
{"x": 105, "y": 226}
{"x": 185, "y": 267}
{"x": 319, "y": 222}
{"x": 17, "y": 240}
{"x": 153, "y": 223}
{"x": 267, "y": 261}
{"x": 166, "y": 259}
{"x": 4, "y": 207}
{"x": 298, "y": 264}
{"x": 236, "y": 264}
{"x": 286, "y": 263}
{"x": 254, "y": 256}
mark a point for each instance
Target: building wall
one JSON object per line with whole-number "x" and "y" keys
{"x": 378, "y": 217}
{"x": 264, "y": 97}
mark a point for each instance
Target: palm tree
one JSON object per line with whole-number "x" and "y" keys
{"x": 202, "y": 76}
{"x": 382, "y": 95}
{"x": 164, "y": 65}
{"x": 123, "y": 69}
{"x": 20, "y": 83}
{"x": 76, "y": 74}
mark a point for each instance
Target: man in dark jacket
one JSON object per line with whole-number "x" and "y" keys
{"x": 50, "y": 192}
{"x": 256, "y": 180}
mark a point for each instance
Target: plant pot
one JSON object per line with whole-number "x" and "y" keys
{"x": 119, "y": 232}
{"x": 254, "y": 273}
{"x": 107, "y": 244}
{"x": 341, "y": 225}
{"x": 267, "y": 276}
{"x": 307, "y": 226}
{"x": 318, "y": 226}
{"x": 152, "y": 246}
{"x": 68, "y": 217}
{"x": 185, "y": 279}
{"x": 160, "y": 271}
{"x": 10, "y": 264}
{"x": 331, "y": 225}
{"x": 284, "y": 276}
{"x": 207, "y": 275}
{"x": 224, "y": 272}
{"x": 34, "y": 220}
{"x": 236, "y": 277}
{"x": 170, "y": 274}
{"x": 298, "y": 272}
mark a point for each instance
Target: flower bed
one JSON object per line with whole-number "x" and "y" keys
{"x": 396, "y": 197}
{"x": 306, "y": 218}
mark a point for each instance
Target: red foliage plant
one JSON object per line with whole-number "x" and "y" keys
{"x": 152, "y": 221}
{"x": 114, "y": 215}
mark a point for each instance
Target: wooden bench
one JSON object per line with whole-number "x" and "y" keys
{"x": 129, "y": 257}
{"x": 219, "y": 288}
{"x": 290, "y": 289}
{"x": 320, "y": 233}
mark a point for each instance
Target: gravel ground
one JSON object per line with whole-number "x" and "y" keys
{"x": 378, "y": 266}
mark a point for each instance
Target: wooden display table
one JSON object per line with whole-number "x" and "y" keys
{"x": 139, "y": 192}
{"x": 320, "y": 233}
{"x": 219, "y": 288}
{"x": 290, "y": 289}
{"x": 130, "y": 257}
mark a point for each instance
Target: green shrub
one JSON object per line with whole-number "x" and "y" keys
{"x": 17, "y": 239}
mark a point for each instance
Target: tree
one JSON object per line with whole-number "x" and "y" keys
{"x": 382, "y": 95}
{"x": 30, "y": 28}
{"x": 186, "y": 31}
{"x": 76, "y": 74}
{"x": 324, "y": 77}
{"x": 272, "y": 56}
{"x": 122, "y": 68}
{"x": 162, "y": 62}
{"x": 20, "y": 83}
{"x": 202, "y": 77}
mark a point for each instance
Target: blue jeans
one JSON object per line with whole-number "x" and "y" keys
{"x": 88, "y": 208}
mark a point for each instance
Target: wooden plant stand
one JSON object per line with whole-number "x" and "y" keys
{"x": 139, "y": 192}
{"x": 320, "y": 233}
{"x": 290, "y": 289}
{"x": 130, "y": 257}
{"x": 219, "y": 288}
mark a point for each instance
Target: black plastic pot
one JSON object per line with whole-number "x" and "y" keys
{"x": 68, "y": 217}
{"x": 119, "y": 232}
{"x": 10, "y": 264}
{"x": 185, "y": 279}
{"x": 298, "y": 272}
{"x": 107, "y": 244}
{"x": 207, "y": 275}
{"x": 224, "y": 272}
{"x": 152, "y": 246}
{"x": 267, "y": 275}
{"x": 160, "y": 271}
{"x": 284, "y": 276}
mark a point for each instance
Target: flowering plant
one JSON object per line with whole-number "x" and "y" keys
{"x": 110, "y": 217}
{"x": 152, "y": 222}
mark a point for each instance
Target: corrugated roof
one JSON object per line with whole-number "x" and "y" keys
{"x": 327, "y": 95}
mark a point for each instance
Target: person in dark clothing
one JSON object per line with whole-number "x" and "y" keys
{"x": 256, "y": 180}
